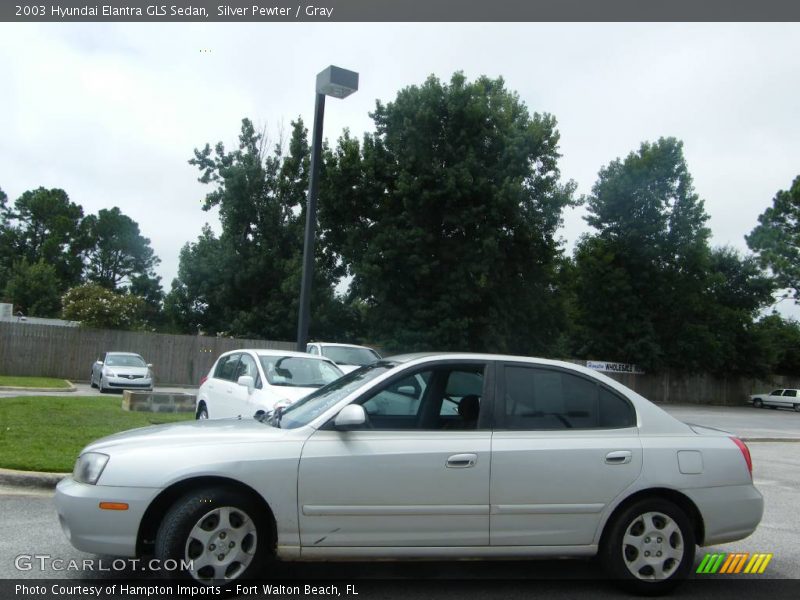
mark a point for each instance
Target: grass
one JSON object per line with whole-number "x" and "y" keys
{"x": 34, "y": 382}
{"x": 46, "y": 433}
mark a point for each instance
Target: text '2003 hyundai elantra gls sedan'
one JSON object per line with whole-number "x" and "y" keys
{"x": 423, "y": 456}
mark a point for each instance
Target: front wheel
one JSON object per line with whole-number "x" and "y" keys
{"x": 221, "y": 536}
{"x": 797, "y": 408}
{"x": 757, "y": 403}
{"x": 650, "y": 546}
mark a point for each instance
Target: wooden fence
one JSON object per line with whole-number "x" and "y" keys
{"x": 69, "y": 352}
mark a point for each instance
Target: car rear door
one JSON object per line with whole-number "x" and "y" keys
{"x": 222, "y": 402}
{"x": 563, "y": 447}
{"x": 406, "y": 480}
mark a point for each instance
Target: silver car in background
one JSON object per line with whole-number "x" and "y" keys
{"x": 436, "y": 456}
{"x": 121, "y": 371}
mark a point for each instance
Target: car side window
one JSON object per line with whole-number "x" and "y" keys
{"x": 227, "y": 367}
{"x": 542, "y": 399}
{"x": 313, "y": 350}
{"x": 792, "y": 393}
{"x": 440, "y": 398}
{"x": 776, "y": 393}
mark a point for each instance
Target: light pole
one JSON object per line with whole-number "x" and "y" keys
{"x": 338, "y": 83}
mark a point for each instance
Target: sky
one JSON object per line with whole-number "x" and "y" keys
{"x": 111, "y": 113}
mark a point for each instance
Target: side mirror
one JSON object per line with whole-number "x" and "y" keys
{"x": 99, "y": 362}
{"x": 248, "y": 382}
{"x": 149, "y": 365}
{"x": 351, "y": 416}
{"x": 408, "y": 390}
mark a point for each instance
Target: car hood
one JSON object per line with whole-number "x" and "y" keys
{"x": 189, "y": 433}
{"x": 347, "y": 368}
{"x": 293, "y": 394}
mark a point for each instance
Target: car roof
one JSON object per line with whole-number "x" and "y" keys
{"x": 274, "y": 352}
{"x": 339, "y": 344}
{"x": 125, "y": 354}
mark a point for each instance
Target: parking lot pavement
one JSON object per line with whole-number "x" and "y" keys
{"x": 745, "y": 421}
{"x": 84, "y": 389}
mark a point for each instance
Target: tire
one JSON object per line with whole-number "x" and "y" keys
{"x": 797, "y": 408}
{"x": 91, "y": 380}
{"x": 757, "y": 403}
{"x": 222, "y": 532}
{"x": 202, "y": 413}
{"x": 103, "y": 389}
{"x": 647, "y": 527}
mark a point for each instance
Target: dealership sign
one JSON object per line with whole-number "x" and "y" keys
{"x": 613, "y": 367}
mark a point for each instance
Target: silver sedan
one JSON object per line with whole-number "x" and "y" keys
{"x": 423, "y": 456}
{"x": 121, "y": 371}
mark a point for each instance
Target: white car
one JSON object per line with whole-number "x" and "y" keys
{"x": 783, "y": 398}
{"x": 348, "y": 357}
{"x": 242, "y": 382}
{"x": 121, "y": 371}
{"x": 540, "y": 459}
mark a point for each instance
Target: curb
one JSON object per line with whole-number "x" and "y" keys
{"x": 8, "y": 388}
{"x": 31, "y": 479}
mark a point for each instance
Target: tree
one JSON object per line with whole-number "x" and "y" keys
{"x": 34, "y": 289}
{"x": 97, "y": 307}
{"x": 776, "y": 238}
{"x": 45, "y": 225}
{"x": 648, "y": 288}
{"x": 641, "y": 278}
{"x": 446, "y": 218}
{"x": 246, "y": 281}
{"x": 119, "y": 254}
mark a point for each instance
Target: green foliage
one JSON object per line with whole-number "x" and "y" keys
{"x": 648, "y": 289}
{"x": 246, "y": 282}
{"x": 95, "y": 306}
{"x": 34, "y": 289}
{"x": 119, "y": 253}
{"x": 446, "y": 218}
{"x": 776, "y": 239}
{"x": 45, "y": 225}
{"x": 778, "y": 341}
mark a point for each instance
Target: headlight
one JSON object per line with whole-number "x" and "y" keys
{"x": 89, "y": 466}
{"x": 108, "y": 373}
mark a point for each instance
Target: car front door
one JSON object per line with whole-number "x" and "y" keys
{"x": 564, "y": 446}
{"x": 222, "y": 401}
{"x": 409, "y": 479}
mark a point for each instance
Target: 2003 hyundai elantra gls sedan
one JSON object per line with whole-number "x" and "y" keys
{"x": 423, "y": 456}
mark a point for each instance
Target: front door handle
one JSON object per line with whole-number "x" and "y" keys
{"x": 620, "y": 457}
{"x": 462, "y": 461}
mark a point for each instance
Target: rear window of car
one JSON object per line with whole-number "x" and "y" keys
{"x": 227, "y": 367}
{"x": 538, "y": 399}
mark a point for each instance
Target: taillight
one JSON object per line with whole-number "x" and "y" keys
{"x": 746, "y": 453}
{"x": 203, "y": 379}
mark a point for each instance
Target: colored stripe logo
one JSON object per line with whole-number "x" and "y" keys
{"x": 730, "y": 564}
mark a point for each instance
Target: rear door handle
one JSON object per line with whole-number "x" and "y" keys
{"x": 619, "y": 457}
{"x": 462, "y": 461}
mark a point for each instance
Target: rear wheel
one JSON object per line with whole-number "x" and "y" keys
{"x": 220, "y": 533}
{"x": 649, "y": 547}
{"x": 202, "y": 413}
{"x": 797, "y": 408}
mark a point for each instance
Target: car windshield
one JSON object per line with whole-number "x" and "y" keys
{"x": 124, "y": 360}
{"x": 291, "y": 371}
{"x": 350, "y": 355}
{"x": 309, "y": 408}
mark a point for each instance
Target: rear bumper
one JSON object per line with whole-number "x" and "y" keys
{"x": 729, "y": 512}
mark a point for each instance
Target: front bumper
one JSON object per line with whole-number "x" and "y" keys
{"x": 729, "y": 512}
{"x": 92, "y": 529}
{"x": 123, "y": 383}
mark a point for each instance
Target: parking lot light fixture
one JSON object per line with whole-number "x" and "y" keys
{"x": 339, "y": 83}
